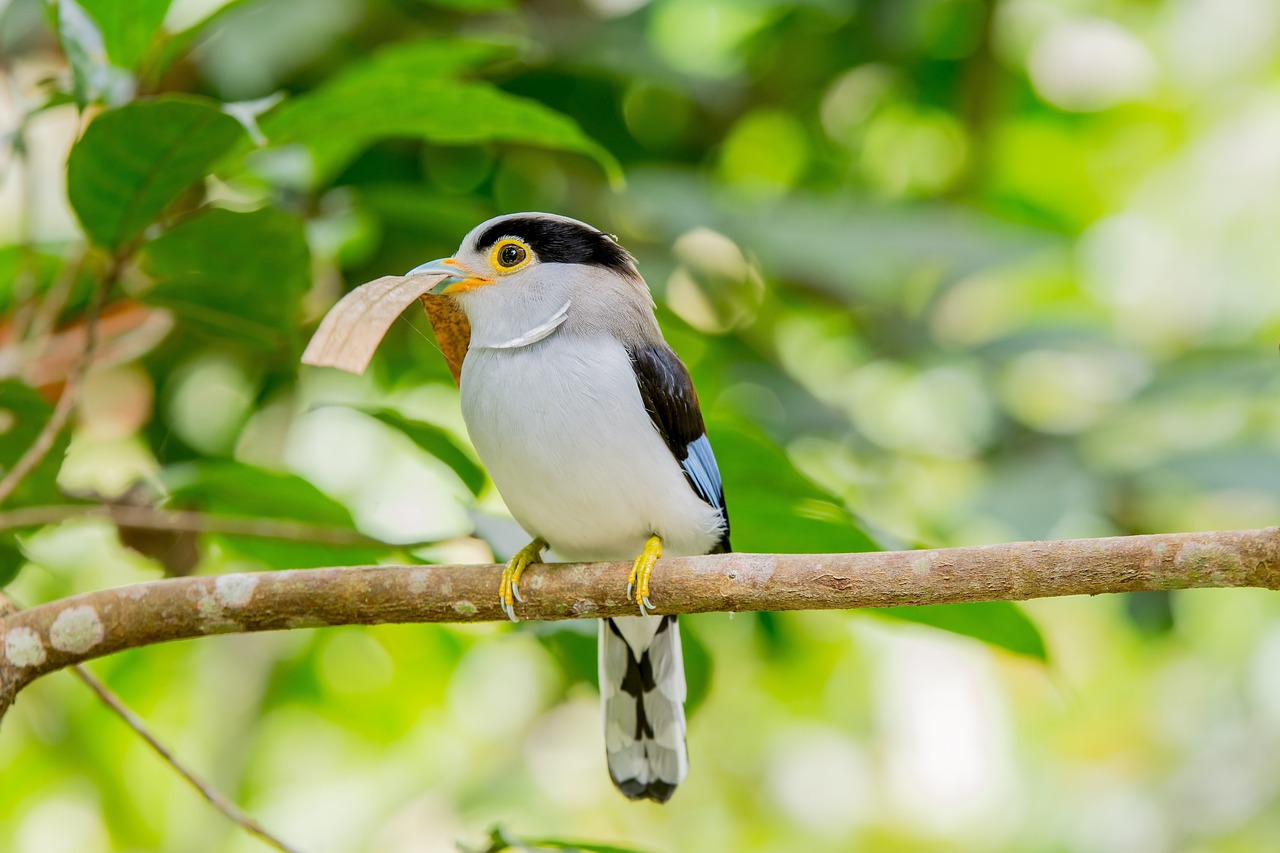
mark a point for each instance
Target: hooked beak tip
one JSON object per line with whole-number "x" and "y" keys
{"x": 456, "y": 277}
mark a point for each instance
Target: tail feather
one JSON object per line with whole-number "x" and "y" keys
{"x": 642, "y": 690}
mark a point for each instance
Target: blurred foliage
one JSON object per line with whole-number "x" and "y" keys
{"x": 946, "y": 272}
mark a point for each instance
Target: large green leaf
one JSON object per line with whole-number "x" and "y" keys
{"x": 438, "y": 443}
{"x": 11, "y": 559}
{"x": 24, "y": 272}
{"x": 128, "y": 26}
{"x": 234, "y": 273}
{"x": 402, "y": 94}
{"x": 1000, "y": 623}
{"x": 236, "y": 489}
{"x": 23, "y": 415}
{"x": 421, "y": 59}
{"x": 776, "y": 509}
{"x": 134, "y": 160}
{"x": 773, "y": 508}
{"x": 698, "y": 668}
{"x": 469, "y": 5}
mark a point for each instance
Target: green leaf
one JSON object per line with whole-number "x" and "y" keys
{"x": 437, "y": 443}
{"x": 585, "y": 847}
{"x": 773, "y": 508}
{"x": 93, "y": 77}
{"x": 233, "y": 273}
{"x": 236, "y": 489}
{"x": 128, "y": 26}
{"x": 23, "y": 415}
{"x": 11, "y": 559}
{"x": 500, "y": 839}
{"x": 421, "y": 59}
{"x": 698, "y": 667}
{"x": 176, "y": 44}
{"x": 469, "y": 5}
{"x": 573, "y": 645}
{"x": 399, "y": 97}
{"x": 33, "y": 268}
{"x": 134, "y": 160}
{"x": 998, "y": 623}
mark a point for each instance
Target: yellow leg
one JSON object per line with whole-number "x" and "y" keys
{"x": 640, "y": 572}
{"x": 509, "y": 590}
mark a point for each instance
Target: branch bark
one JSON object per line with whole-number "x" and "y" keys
{"x": 69, "y": 631}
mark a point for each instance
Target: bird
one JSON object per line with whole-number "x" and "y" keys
{"x": 590, "y": 429}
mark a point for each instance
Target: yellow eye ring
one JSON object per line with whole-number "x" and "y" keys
{"x": 509, "y": 255}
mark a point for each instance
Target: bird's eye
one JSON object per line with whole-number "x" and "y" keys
{"x": 512, "y": 255}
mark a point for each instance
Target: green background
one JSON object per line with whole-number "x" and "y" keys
{"x": 945, "y": 272}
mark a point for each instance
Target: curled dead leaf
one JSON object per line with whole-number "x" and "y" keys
{"x": 353, "y": 328}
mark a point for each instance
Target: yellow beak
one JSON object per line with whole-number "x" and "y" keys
{"x": 459, "y": 277}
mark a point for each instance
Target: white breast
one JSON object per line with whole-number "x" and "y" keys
{"x": 565, "y": 436}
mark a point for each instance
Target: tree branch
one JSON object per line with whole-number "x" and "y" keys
{"x": 72, "y": 630}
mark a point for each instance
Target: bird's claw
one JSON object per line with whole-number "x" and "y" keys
{"x": 641, "y": 570}
{"x": 509, "y": 586}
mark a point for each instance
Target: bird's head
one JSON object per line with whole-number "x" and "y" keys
{"x": 520, "y": 270}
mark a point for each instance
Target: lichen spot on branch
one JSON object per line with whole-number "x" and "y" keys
{"x": 76, "y": 630}
{"x": 234, "y": 590}
{"x": 23, "y": 647}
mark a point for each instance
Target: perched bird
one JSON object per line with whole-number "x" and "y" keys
{"x": 589, "y": 425}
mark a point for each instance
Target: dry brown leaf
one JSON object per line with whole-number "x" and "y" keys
{"x": 126, "y": 330}
{"x": 353, "y": 328}
{"x": 451, "y": 328}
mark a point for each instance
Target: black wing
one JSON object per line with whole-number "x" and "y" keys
{"x": 672, "y": 404}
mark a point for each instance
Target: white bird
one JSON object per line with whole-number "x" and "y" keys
{"x": 589, "y": 426}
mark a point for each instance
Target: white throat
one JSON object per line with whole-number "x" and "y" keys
{"x": 533, "y": 335}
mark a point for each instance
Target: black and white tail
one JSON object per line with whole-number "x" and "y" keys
{"x": 642, "y": 690}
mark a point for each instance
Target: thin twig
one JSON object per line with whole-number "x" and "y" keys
{"x": 190, "y": 521}
{"x": 45, "y": 316}
{"x": 211, "y": 794}
{"x": 70, "y": 391}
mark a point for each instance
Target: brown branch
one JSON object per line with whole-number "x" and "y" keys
{"x": 211, "y": 794}
{"x": 72, "y": 630}
{"x": 188, "y": 521}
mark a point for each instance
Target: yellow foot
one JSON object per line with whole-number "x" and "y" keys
{"x": 638, "y": 580}
{"x": 509, "y": 589}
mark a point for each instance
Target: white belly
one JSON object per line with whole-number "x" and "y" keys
{"x": 565, "y": 436}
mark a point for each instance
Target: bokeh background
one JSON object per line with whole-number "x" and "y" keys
{"x": 946, "y": 272}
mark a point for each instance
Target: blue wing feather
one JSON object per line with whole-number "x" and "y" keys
{"x": 703, "y": 472}
{"x": 672, "y": 404}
